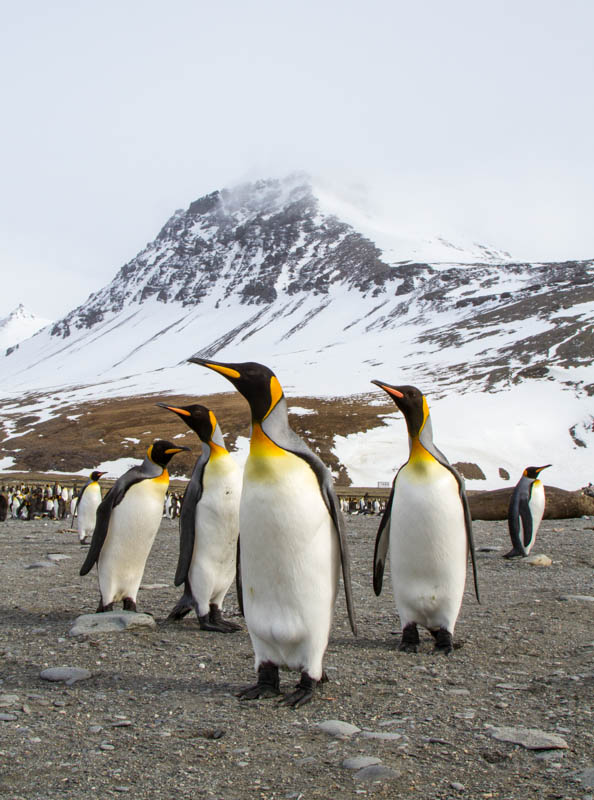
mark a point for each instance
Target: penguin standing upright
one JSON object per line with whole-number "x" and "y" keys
{"x": 86, "y": 506}
{"x": 428, "y": 528}
{"x": 292, "y": 541}
{"x": 128, "y": 519}
{"x": 209, "y": 524}
{"x": 525, "y": 511}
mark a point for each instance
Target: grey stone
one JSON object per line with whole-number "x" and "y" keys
{"x": 586, "y": 777}
{"x": 69, "y": 675}
{"x": 583, "y": 598}
{"x": 384, "y": 736}
{"x": 57, "y": 556}
{"x": 359, "y": 762}
{"x": 458, "y": 691}
{"x": 106, "y": 746}
{"x": 338, "y": 728}
{"x": 8, "y": 717}
{"x": 8, "y": 700}
{"x": 95, "y": 729}
{"x": 530, "y": 738}
{"x": 121, "y": 723}
{"x": 110, "y": 622}
{"x": 457, "y": 787}
{"x": 41, "y": 565}
{"x": 150, "y": 586}
{"x": 376, "y": 772}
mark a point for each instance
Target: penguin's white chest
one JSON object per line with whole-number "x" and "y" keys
{"x": 133, "y": 526}
{"x": 289, "y": 560}
{"x": 536, "y": 505}
{"x": 428, "y": 545}
{"x": 217, "y": 528}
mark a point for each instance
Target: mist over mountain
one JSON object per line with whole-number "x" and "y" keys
{"x": 269, "y": 271}
{"x": 19, "y": 325}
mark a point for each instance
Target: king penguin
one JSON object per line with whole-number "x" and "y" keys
{"x": 292, "y": 541}
{"x": 209, "y": 524}
{"x": 86, "y": 506}
{"x": 428, "y": 529}
{"x": 525, "y": 512}
{"x": 128, "y": 519}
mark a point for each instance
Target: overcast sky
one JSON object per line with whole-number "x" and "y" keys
{"x": 464, "y": 116}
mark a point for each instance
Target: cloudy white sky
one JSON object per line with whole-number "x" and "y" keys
{"x": 463, "y": 116}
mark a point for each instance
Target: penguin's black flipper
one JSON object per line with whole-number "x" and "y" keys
{"x": 515, "y": 527}
{"x": 470, "y": 538}
{"x": 187, "y": 517}
{"x": 331, "y": 501}
{"x": 382, "y": 541}
{"x": 113, "y": 498}
{"x": 528, "y": 527}
{"x": 238, "y": 581}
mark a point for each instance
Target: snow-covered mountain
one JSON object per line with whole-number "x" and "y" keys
{"x": 19, "y": 325}
{"x": 269, "y": 272}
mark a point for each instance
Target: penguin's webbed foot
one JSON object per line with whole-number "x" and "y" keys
{"x": 514, "y": 554}
{"x": 443, "y": 641}
{"x": 303, "y": 693}
{"x": 410, "y": 639}
{"x": 268, "y": 683}
{"x": 129, "y": 604}
{"x": 216, "y": 618}
{"x": 101, "y": 608}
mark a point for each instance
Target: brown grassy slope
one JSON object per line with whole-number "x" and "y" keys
{"x": 99, "y": 433}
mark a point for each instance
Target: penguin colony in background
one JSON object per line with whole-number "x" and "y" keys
{"x": 293, "y": 542}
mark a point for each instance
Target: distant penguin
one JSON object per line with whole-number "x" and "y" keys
{"x": 292, "y": 541}
{"x": 525, "y": 512}
{"x": 427, "y": 527}
{"x": 209, "y": 524}
{"x": 3, "y": 507}
{"x": 87, "y": 504}
{"x": 128, "y": 519}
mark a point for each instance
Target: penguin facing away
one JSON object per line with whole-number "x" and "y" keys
{"x": 428, "y": 529}
{"x": 209, "y": 524}
{"x": 128, "y": 519}
{"x": 86, "y": 506}
{"x": 525, "y": 512}
{"x": 292, "y": 541}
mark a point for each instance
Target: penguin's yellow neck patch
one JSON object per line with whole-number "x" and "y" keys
{"x": 537, "y": 482}
{"x": 419, "y": 458}
{"x": 162, "y": 478}
{"x": 216, "y": 451}
{"x": 263, "y": 447}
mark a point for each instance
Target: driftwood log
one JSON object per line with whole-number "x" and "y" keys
{"x": 560, "y": 504}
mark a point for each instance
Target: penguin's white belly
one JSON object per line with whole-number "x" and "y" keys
{"x": 133, "y": 526}
{"x": 428, "y": 546}
{"x": 289, "y": 563}
{"x": 536, "y": 505}
{"x": 87, "y": 509}
{"x": 212, "y": 568}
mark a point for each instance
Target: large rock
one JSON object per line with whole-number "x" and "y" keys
{"x": 560, "y": 504}
{"x": 68, "y": 675}
{"x": 110, "y": 622}
{"x": 530, "y": 738}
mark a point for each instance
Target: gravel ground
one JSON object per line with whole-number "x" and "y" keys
{"x": 159, "y": 718}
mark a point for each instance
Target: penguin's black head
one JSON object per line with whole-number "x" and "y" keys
{"x": 411, "y": 401}
{"x": 258, "y": 384}
{"x": 161, "y": 452}
{"x": 95, "y": 475}
{"x": 534, "y": 472}
{"x": 199, "y": 418}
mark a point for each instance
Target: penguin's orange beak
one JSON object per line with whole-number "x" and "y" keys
{"x": 389, "y": 389}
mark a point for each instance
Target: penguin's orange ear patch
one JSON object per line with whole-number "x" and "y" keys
{"x": 276, "y": 392}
